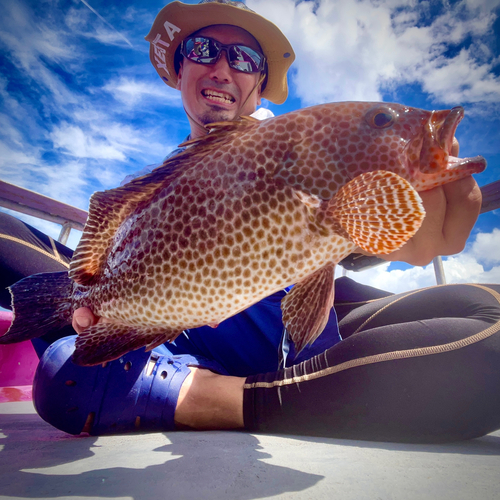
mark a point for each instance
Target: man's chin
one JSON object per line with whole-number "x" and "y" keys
{"x": 217, "y": 115}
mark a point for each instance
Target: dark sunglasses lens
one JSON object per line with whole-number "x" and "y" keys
{"x": 245, "y": 59}
{"x": 206, "y": 51}
{"x": 201, "y": 50}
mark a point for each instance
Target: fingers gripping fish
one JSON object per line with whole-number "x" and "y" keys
{"x": 246, "y": 211}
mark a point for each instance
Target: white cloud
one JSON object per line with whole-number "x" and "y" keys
{"x": 353, "y": 49}
{"x": 60, "y": 133}
{"x": 85, "y": 21}
{"x": 479, "y": 263}
{"x": 132, "y": 91}
{"x": 29, "y": 43}
{"x": 486, "y": 247}
{"x": 396, "y": 280}
{"x": 76, "y": 142}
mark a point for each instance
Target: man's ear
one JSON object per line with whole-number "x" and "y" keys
{"x": 179, "y": 76}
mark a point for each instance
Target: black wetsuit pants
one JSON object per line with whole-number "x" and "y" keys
{"x": 422, "y": 366}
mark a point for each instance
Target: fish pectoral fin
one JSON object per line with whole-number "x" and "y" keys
{"x": 379, "y": 210}
{"x": 109, "y": 341}
{"x": 306, "y": 308}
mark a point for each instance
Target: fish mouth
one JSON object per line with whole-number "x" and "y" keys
{"x": 445, "y": 136}
{"x": 218, "y": 97}
{"x": 446, "y": 129}
{"x": 437, "y": 144}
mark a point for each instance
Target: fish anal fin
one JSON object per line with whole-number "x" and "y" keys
{"x": 162, "y": 338}
{"x": 379, "y": 210}
{"x": 108, "y": 341}
{"x": 306, "y": 308}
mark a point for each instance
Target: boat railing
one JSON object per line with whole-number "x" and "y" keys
{"x": 31, "y": 203}
{"x": 37, "y": 205}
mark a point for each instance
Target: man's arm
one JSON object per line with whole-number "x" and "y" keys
{"x": 451, "y": 212}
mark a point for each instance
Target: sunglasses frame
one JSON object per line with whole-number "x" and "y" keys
{"x": 221, "y": 46}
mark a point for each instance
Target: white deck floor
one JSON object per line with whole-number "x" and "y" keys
{"x": 37, "y": 461}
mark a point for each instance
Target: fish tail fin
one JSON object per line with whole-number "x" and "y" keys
{"x": 379, "y": 210}
{"x": 41, "y": 303}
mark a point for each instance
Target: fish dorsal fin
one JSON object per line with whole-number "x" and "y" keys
{"x": 379, "y": 210}
{"x": 109, "y": 209}
{"x": 306, "y": 308}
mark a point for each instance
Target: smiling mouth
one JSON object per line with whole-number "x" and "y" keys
{"x": 218, "y": 97}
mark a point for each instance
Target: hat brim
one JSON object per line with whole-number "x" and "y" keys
{"x": 177, "y": 20}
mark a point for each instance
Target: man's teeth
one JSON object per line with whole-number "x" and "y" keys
{"x": 218, "y": 97}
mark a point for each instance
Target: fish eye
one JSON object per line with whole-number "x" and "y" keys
{"x": 381, "y": 118}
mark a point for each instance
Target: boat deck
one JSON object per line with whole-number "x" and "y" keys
{"x": 39, "y": 461}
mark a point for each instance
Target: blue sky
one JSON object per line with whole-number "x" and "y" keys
{"x": 81, "y": 106}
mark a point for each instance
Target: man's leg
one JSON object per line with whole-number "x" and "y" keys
{"x": 139, "y": 391}
{"x": 210, "y": 401}
{"x": 25, "y": 251}
{"x": 422, "y": 367}
{"x": 425, "y": 380}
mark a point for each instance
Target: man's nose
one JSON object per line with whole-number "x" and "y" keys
{"x": 221, "y": 70}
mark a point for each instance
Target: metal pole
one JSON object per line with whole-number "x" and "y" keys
{"x": 64, "y": 234}
{"x": 439, "y": 270}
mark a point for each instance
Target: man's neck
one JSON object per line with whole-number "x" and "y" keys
{"x": 197, "y": 130}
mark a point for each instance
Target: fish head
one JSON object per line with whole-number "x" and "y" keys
{"x": 420, "y": 144}
{"x": 330, "y": 144}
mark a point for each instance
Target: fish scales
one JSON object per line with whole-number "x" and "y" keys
{"x": 229, "y": 235}
{"x": 250, "y": 209}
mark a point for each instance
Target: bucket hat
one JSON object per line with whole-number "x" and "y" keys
{"x": 177, "y": 21}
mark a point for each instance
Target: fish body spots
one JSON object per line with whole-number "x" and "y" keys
{"x": 231, "y": 250}
{"x": 229, "y": 228}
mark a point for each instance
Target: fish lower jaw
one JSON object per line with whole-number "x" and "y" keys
{"x": 473, "y": 165}
{"x": 456, "y": 169}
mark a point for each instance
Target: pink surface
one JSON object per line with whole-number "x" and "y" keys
{"x": 18, "y": 362}
{"x": 15, "y": 394}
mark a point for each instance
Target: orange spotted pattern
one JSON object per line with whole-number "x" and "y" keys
{"x": 251, "y": 209}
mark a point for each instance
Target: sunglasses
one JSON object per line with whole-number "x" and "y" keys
{"x": 204, "y": 50}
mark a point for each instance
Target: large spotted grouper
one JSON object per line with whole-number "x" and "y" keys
{"x": 246, "y": 211}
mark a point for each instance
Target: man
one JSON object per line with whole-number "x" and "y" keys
{"x": 394, "y": 377}
{"x": 218, "y": 92}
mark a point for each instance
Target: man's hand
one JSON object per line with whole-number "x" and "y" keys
{"x": 451, "y": 212}
{"x": 84, "y": 317}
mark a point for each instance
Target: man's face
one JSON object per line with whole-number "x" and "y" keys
{"x": 216, "y": 92}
